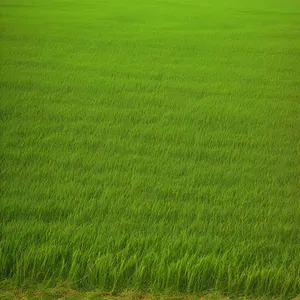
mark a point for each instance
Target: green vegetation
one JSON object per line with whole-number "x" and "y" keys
{"x": 69, "y": 294}
{"x": 151, "y": 145}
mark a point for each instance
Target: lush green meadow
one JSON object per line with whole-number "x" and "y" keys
{"x": 151, "y": 145}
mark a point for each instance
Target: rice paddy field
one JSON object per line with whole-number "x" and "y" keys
{"x": 151, "y": 145}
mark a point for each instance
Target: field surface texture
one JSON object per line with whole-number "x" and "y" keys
{"x": 151, "y": 145}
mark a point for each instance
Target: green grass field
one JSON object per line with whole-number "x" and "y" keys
{"x": 151, "y": 145}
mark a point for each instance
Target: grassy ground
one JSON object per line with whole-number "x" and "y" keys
{"x": 69, "y": 294}
{"x": 151, "y": 145}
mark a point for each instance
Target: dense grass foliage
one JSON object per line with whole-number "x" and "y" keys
{"x": 151, "y": 145}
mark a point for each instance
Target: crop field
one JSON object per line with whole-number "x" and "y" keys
{"x": 151, "y": 145}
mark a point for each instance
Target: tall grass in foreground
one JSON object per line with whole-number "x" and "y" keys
{"x": 151, "y": 145}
